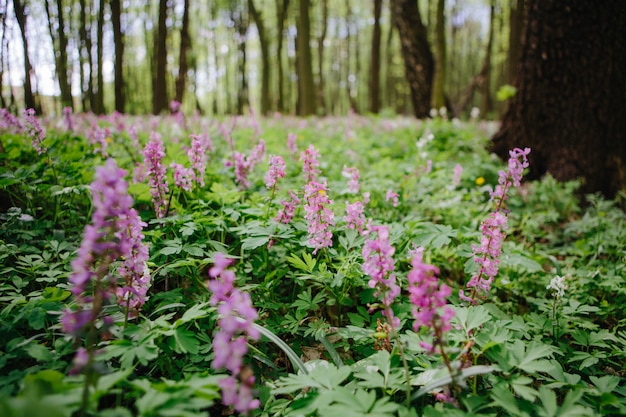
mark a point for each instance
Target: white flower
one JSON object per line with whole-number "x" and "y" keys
{"x": 557, "y": 284}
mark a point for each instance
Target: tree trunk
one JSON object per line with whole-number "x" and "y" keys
{"x": 374, "y": 82}
{"x": 86, "y": 63}
{"x": 516, "y": 21}
{"x": 485, "y": 100}
{"x": 4, "y": 52}
{"x": 21, "y": 16}
{"x": 118, "y": 41}
{"x": 56, "y": 25}
{"x": 99, "y": 103}
{"x": 306, "y": 93}
{"x": 185, "y": 46}
{"x": 282, "y": 15}
{"x": 570, "y": 94}
{"x": 418, "y": 59}
{"x": 320, "y": 58}
{"x": 159, "y": 89}
{"x": 241, "y": 27}
{"x": 265, "y": 58}
{"x": 438, "y": 99}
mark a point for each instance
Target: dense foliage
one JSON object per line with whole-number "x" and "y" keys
{"x": 300, "y": 256}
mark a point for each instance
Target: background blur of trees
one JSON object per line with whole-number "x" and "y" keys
{"x": 235, "y": 56}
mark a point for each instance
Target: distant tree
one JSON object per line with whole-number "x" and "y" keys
{"x": 21, "y": 16}
{"x": 571, "y": 93}
{"x": 418, "y": 59}
{"x": 159, "y": 88}
{"x": 306, "y": 93}
{"x": 281, "y": 12}
{"x": 374, "y": 81}
{"x": 98, "y": 105}
{"x": 185, "y": 46}
{"x": 118, "y": 41}
{"x": 241, "y": 22}
{"x": 320, "y": 58}
{"x": 85, "y": 57}
{"x": 265, "y": 57}
{"x": 56, "y": 26}
{"x": 438, "y": 97}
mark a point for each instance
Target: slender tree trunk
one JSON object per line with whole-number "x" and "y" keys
{"x": 265, "y": 58}
{"x": 56, "y": 25}
{"x": 118, "y": 41}
{"x": 99, "y": 103}
{"x": 185, "y": 46}
{"x": 438, "y": 99}
{"x": 282, "y": 7}
{"x": 21, "y": 16}
{"x": 565, "y": 109}
{"x": 86, "y": 62}
{"x": 485, "y": 100}
{"x": 159, "y": 90}
{"x": 306, "y": 93}
{"x": 241, "y": 27}
{"x": 418, "y": 59}
{"x": 320, "y": 58}
{"x": 4, "y": 49}
{"x": 516, "y": 23}
{"x": 374, "y": 84}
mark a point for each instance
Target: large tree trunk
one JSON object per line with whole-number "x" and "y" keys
{"x": 485, "y": 99}
{"x": 265, "y": 58}
{"x": 571, "y": 94}
{"x": 438, "y": 99}
{"x": 159, "y": 89}
{"x": 306, "y": 93}
{"x": 320, "y": 58}
{"x": 374, "y": 82}
{"x": 118, "y": 41}
{"x": 86, "y": 62}
{"x": 21, "y": 16}
{"x": 516, "y": 21}
{"x": 241, "y": 27}
{"x": 185, "y": 46}
{"x": 418, "y": 59}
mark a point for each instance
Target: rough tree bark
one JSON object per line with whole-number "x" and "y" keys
{"x": 85, "y": 58}
{"x": 118, "y": 41}
{"x": 570, "y": 97}
{"x": 438, "y": 98}
{"x": 98, "y": 107}
{"x": 281, "y": 11}
{"x": 56, "y": 25}
{"x": 418, "y": 59}
{"x": 516, "y": 21}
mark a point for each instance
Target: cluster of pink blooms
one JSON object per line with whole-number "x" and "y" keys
{"x": 183, "y": 177}
{"x": 276, "y": 171}
{"x": 69, "y": 120}
{"x": 177, "y": 113}
{"x": 289, "y": 208}
{"x": 235, "y": 325}
{"x": 428, "y": 298}
{"x": 487, "y": 254}
{"x": 114, "y": 233}
{"x": 154, "y": 152}
{"x": 379, "y": 265}
{"x": 310, "y": 163}
{"x": 98, "y": 138}
{"x": 355, "y": 219}
{"x": 197, "y": 153}
{"x": 457, "y": 173}
{"x": 353, "y": 174}
{"x": 243, "y": 164}
{"x": 10, "y": 123}
{"x": 318, "y": 215}
{"x": 35, "y": 130}
{"x": 393, "y": 197}
{"x": 291, "y": 144}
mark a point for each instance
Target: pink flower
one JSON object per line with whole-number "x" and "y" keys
{"x": 35, "y": 130}
{"x": 154, "y": 152}
{"x": 289, "y": 208}
{"x": 393, "y": 197}
{"x": 197, "y": 153}
{"x": 229, "y": 343}
{"x": 456, "y": 178}
{"x": 182, "y": 176}
{"x": 355, "y": 219}
{"x": 276, "y": 171}
{"x": 353, "y": 174}
{"x": 428, "y": 297}
{"x": 318, "y": 215}
{"x": 379, "y": 265}
{"x": 310, "y": 163}
{"x": 291, "y": 143}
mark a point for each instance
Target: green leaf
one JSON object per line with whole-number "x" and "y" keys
{"x": 253, "y": 242}
{"x": 605, "y": 384}
{"x": 37, "y": 318}
{"x": 39, "y": 352}
{"x": 186, "y": 341}
{"x": 548, "y": 401}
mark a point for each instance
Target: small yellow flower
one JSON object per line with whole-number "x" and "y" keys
{"x": 109, "y": 140}
{"x": 480, "y": 181}
{"x": 321, "y": 192}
